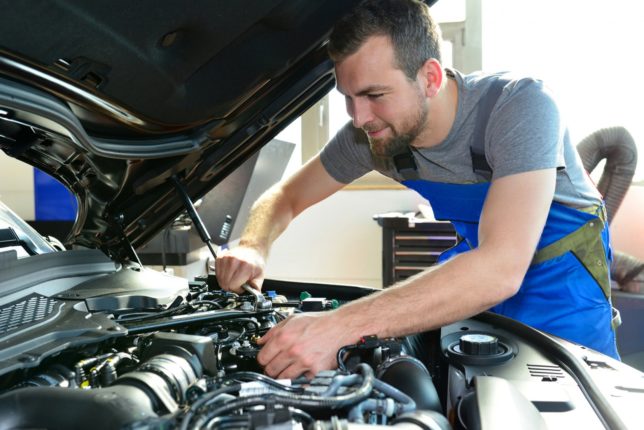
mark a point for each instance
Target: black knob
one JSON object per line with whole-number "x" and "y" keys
{"x": 479, "y": 344}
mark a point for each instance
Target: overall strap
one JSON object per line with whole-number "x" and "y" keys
{"x": 477, "y": 146}
{"x": 405, "y": 165}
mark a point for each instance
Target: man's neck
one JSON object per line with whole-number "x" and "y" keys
{"x": 441, "y": 116}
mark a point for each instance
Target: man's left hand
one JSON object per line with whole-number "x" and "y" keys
{"x": 303, "y": 345}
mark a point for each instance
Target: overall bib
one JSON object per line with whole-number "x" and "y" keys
{"x": 566, "y": 290}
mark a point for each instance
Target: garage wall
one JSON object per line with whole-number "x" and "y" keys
{"x": 337, "y": 241}
{"x": 17, "y": 186}
{"x": 627, "y": 228}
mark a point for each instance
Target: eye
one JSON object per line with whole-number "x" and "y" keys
{"x": 375, "y": 95}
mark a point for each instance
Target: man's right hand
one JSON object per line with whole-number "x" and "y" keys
{"x": 238, "y": 266}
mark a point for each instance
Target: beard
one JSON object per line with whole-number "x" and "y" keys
{"x": 401, "y": 139}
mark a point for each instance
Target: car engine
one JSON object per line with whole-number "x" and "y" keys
{"x": 177, "y": 357}
{"x": 89, "y": 343}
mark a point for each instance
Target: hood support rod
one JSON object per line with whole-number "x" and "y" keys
{"x": 260, "y": 301}
{"x": 194, "y": 216}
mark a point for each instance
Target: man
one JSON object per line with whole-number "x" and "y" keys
{"x": 488, "y": 152}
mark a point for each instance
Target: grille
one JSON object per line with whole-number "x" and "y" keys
{"x": 32, "y": 309}
{"x": 545, "y": 371}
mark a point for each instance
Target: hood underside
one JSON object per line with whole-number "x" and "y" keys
{"x": 114, "y": 98}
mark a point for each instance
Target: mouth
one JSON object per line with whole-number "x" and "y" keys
{"x": 376, "y": 133}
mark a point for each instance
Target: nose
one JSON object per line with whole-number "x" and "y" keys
{"x": 359, "y": 111}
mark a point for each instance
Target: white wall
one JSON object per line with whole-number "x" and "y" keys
{"x": 17, "y": 186}
{"x": 588, "y": 53}
{"x": 627, "y": 228}
{"x": 337, "y": 241}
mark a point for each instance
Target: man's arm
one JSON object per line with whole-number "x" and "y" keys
{"x": 511, "y": 224}
{"x": 269, "y": 217}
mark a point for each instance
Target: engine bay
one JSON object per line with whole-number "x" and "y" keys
{"x": 138, "y": 349}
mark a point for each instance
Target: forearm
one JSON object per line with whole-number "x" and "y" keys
{"x": 511, "y": 224}
{"x": 457, "y": 289}
{"x": 277, "y": 207}
{"x": 269, "y": 217}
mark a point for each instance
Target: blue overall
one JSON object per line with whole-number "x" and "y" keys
{"x": 559, "y": 295}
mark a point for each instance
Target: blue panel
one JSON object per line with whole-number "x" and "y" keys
{"x": 52, "y": 200}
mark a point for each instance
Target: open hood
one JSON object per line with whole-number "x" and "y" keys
{"x": 113, "y": 99}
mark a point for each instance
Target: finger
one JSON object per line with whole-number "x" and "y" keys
{"x": 293, "y": 371}
{"x": 278, "y": 366}
{"x": 236, "y": 274}
{"x": 256, "y": 283}
{"x": 238, "y": 278}
{"x": 273, "y": 331}
{"x": 224, "y": 267}
{"x": 269, "y": 350}
{"x": 264, "y": 339}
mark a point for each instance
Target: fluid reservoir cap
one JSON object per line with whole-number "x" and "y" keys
{"x": 479, "y": 344}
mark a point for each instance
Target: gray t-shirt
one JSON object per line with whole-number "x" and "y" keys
{"x": 525, "y": 132}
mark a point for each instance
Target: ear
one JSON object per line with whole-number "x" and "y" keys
{"x": 431, "y": 76}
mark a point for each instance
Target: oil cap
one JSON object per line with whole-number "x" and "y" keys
{"x": 479, "y": 344}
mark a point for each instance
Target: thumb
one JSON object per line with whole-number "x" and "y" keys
{"x": 256, "y": 283}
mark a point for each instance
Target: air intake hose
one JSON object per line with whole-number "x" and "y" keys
{"x": 617, "y": 147}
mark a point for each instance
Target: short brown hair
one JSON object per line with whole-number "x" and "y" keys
{"x": 412, "y": 31}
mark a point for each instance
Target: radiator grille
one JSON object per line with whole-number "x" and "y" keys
{"x": 32, "y": 309}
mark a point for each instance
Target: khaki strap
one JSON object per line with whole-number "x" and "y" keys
{"x": 587, "y": 245}
{"x": 616, "y": 321}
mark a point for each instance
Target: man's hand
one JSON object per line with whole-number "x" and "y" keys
{"x": 239, "y": 266}
{"x": 303, "y": 345}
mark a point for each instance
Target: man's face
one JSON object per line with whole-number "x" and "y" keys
{"x": 381, "y": 100}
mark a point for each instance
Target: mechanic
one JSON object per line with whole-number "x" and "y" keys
{"x": 489, "y": 152}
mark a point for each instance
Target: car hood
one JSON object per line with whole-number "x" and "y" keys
{"x": 114, "y": 99}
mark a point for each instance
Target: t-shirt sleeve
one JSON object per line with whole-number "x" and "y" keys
{"x": 525, "y": 131}
{"x": 347, "y": 156}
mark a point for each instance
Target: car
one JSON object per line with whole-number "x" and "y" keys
{"x": 142, "y": 108}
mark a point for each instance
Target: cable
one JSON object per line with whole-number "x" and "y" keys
{"x": 185, "y": 422}
{"x": 253, "y": 376}
{"x": 339, "y": 357}
{"x": 207, "y": 302}
{"x": 303, "y": 416}
{"x": 302, "y": 400}
{"x": 152, "y": 315}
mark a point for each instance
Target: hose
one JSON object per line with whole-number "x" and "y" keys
{"x": 340, "y": 381}
{"x": 185, "y": 422}
{"x": 407, "y": 404}
{"x": 253, "y": 376}
{"x": 303, "y": 401}
{"x": 617, "y": 147}
{"x": 396, "y": 402}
